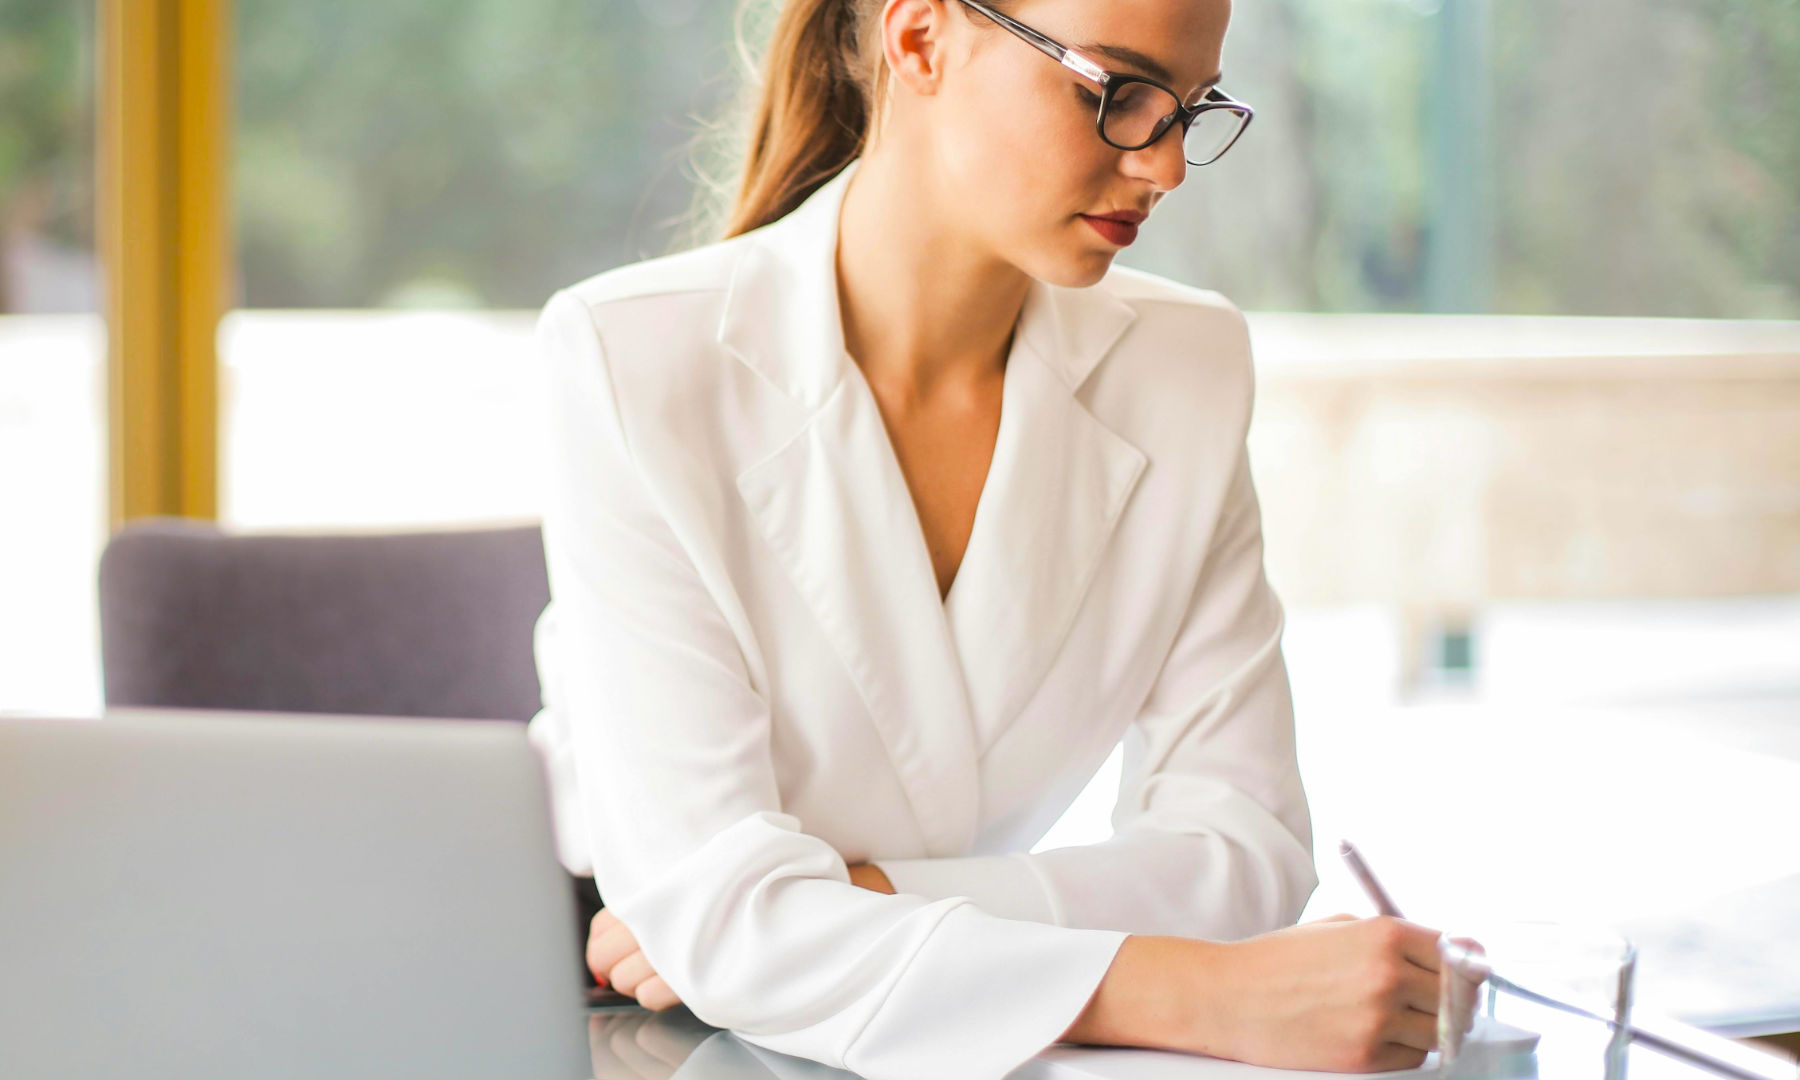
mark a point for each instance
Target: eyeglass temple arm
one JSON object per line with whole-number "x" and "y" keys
{"x": 1067, "y": 57}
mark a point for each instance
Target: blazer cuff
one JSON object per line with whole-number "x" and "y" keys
{"x": 1005, "y": 885}
{"x": 980, "y": 998}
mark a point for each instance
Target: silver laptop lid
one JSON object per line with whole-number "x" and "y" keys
{"x": 254, "y": 896}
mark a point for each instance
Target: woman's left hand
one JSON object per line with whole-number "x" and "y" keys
{"x": 615, "y": 959}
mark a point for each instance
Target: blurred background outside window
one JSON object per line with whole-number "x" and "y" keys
{"x": 52, "y": 358}
{"x": 1523, "y": 280}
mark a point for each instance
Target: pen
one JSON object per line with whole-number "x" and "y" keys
{"x": 1385, "y": 904}
{"x": 1366, "y": 878}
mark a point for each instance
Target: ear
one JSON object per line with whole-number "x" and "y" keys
{"x": 914, "y": 34}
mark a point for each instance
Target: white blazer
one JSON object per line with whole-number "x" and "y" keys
{"x": 750, "y": 680}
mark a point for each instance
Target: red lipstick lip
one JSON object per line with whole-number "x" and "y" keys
{"x": 1117, "y": 233}
{"x": 1128, "y": 217}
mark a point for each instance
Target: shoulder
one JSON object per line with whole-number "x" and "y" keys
{"x": 640, "y": 344}
{"x": 1186, "y": 350}
{"x": 651, "y": 325}
{"x": 1213, "y": 325}
{"x": 682, "y": 280}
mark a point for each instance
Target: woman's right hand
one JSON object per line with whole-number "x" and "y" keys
{"x": 1339, "y": 995}
{"x": 1342, "y": 994}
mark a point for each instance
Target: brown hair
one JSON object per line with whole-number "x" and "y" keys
{"x": 799, "y": 121}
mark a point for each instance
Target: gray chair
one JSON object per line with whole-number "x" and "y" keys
{"x": 391, "y": 624}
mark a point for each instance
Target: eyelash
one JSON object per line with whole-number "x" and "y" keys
{"x": 1088, "y": 95}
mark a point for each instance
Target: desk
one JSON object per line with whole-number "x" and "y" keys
{"x": 635, "y": 1044}
{"x": 1717, "y": 923}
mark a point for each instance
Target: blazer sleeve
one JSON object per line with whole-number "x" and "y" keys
{"x": 1211, "y": 827}
{"x": 752, "y": 922}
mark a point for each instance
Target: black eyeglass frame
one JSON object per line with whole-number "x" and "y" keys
{"x": 1110, "y": 81}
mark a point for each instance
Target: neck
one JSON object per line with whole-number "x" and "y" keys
{"x": 923, "y": 308}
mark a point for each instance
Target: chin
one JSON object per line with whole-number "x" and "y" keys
{"x": 1067, "y": 263}
{"x": 1079, "y": 272}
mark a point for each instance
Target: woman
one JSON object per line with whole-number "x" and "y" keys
{"x": 876, "y": 525}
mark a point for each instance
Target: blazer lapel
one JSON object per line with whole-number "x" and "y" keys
{"x": 1054, "y": 492}
{"x": 834, "y": 507}
{"x": 942, "y": 680}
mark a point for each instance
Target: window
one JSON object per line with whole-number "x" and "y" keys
{"x": 413, "y": 181}
{"x": 52, "y": 361}
{"x": 1524, "y": 284}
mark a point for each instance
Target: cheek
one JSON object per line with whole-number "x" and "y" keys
{"x": 984, "y": 129}
{"x": 1024, "y": 157}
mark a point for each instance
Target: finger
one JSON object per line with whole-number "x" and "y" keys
{"x": 603, "y": 920}
{"x": 629, "y": 973}
{"x": 1418, "y": 990}
{"x": 1339, "y": 917}
{"x": 1394, "y": 1056}
{"x": 1419, "y": 945}
{"x": 653, "y": 993}
{"x": 1412, "y": 1028}
{"x": 605, "y": 952}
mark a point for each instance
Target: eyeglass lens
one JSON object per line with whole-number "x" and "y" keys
{"x": 1138, "y": 110}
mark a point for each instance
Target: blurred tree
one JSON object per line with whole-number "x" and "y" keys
{"x": 492, "y": 150}
{"x": 1644, "y": 159}
{"x": 1649, "y": 157}
{"x": 46, "y": 130}
{"x": 1642, "y": 156}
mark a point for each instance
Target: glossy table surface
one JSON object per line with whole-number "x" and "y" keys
{"x": 636, "y": 1044}
{"x": 1705, "y": 880}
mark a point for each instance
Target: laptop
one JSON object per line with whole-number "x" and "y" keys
{"x": 254, "y": 896}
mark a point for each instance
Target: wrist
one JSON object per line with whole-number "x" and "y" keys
{"x": 1151, "y": 996}
{"x": 871, "y": 877}
{"x": 1206, "y": 986}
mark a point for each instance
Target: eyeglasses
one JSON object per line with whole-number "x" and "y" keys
{"x": 1135, "y": 111}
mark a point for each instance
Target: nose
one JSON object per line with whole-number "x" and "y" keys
{"x": 1163, "y": 162}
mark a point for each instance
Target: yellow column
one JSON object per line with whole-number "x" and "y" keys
{"x": 166, "y": 245}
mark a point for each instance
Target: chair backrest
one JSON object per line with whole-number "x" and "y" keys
{"x": 390, "y": 624}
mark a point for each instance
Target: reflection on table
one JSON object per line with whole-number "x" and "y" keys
{"x": 637, "y": 1044}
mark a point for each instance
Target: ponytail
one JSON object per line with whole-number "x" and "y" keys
{"x": 813, "y": 114}
{"x": 800, "y": 115}
{"x": 799, "y": 121}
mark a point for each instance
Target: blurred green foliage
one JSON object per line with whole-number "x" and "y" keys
{"x": 46, "y": 124}
{"x": 1611, "y": 157}
{"x": 1641, "y": 157}
{"x": 449, "y": 152}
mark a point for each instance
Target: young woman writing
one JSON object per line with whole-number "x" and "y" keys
{"x": 878, "y": 523}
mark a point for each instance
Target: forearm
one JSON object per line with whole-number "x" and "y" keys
{"x": 1239, "y": 875}
{"x": 1244, "y": 875}
{"x": 1145, "y": 998}
{"x": 1141, "y": 1001}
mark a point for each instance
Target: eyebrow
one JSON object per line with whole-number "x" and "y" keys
{"x": 1147, "y": 64}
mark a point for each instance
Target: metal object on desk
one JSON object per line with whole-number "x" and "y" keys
{"x": 1590, "y": 964}
{"x": 1678, "y": 1041}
